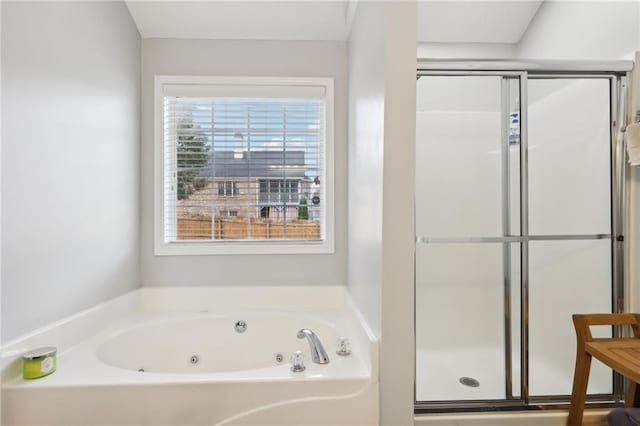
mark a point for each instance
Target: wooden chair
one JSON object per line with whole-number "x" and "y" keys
{"x": 621, "y": 354}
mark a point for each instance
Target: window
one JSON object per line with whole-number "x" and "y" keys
{"x": 278, "y": 191}
{"x": 244, "y": 165}
{"x": 227, "y": 188}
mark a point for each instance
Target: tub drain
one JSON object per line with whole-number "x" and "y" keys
{"x": 470, "y": 381}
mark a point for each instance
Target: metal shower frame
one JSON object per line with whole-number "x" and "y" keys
{"x": 618, "y": 73}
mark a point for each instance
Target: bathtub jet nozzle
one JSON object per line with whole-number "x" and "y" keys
{"x": 318, "y": 354}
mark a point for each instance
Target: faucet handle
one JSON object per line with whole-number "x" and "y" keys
{"x": 344, "y": 346}
{"x": 297, "y": 362}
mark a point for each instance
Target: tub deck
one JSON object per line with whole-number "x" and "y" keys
{"x": 345, "y": 391}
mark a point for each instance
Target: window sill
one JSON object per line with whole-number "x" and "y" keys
{"x": 207, "y": 248}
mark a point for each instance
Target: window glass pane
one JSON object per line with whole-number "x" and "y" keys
{"x": 569, "y": 156}
{"x": 236, "y": 162}
{"x": 460, "y": 155}
{"x": 566, "y": 277}
{"x": 460, "y": 325}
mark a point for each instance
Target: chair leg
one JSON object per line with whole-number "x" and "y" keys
{"x": 632, "y": 398}
{"x": 580, "y": 381}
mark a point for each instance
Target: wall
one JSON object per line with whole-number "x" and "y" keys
{"x": 582, "y": 30}
{"x": 244, "y": 58}
{"x": 366, "y": 139}
{"x": 70, "y": 108}
{"x": 382, "y": 64}
{"x": 562, "y": 30}
{"x": 397, "y": 355}
{"x": 467, "y": 50}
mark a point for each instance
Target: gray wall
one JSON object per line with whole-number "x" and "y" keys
{"x": 70, "y": 109}
{"x": 243, "y": 58}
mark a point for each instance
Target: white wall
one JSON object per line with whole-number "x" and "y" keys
{"x": 382, "y": 64}
{"x": 397, "y": 355}
{"x": 70, "y": 108}
{"x": 561, "y": 30}
{"x": 582, "y": 30}
{"x": 467, "y": 50}
{"x": 244, "y": 58}
{"x": 366, "y": 149}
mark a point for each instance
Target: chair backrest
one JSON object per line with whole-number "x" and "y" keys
{"x": 582, "y": 322}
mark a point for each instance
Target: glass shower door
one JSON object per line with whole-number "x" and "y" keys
{"x": 467, "y": 263}
{"x": 519, "y": 225}
{"x": 570, "y": 225}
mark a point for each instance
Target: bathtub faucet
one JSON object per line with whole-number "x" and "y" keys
{"x": 318, "y": 354}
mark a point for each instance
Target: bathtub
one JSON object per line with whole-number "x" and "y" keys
{"x": 173, "y": 356}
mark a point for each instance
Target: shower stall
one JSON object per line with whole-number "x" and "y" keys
{"x": 519, "y": 224}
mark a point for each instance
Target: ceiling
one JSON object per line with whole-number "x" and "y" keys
{"x": 475, "y": 21}
{"x": 242, "y": 20}
{"x": 452, "y": 21}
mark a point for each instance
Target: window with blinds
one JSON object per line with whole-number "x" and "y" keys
{"x": 244, "y": 163}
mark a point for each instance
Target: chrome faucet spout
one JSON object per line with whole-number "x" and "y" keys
{"x": 318, "y": 354}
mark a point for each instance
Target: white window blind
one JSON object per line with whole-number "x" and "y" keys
{"x": 244, "y": 169}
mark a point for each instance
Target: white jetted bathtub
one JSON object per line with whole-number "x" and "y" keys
{"x": 174, "y": 356}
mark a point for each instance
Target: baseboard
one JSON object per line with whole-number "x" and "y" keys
{"x": 529, "y": 418}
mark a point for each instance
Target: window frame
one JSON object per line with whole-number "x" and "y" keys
{"x": 226, "y": 247}
{"x": 228, "y": 183}
{"x": 228, "y": 213}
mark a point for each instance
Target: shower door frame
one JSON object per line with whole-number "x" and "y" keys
{"x": 618, "y": 73}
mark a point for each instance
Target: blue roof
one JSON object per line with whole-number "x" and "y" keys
{"x": 262, "y": 164}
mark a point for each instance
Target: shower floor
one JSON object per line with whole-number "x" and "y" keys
{"x": 438, "y": 375}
